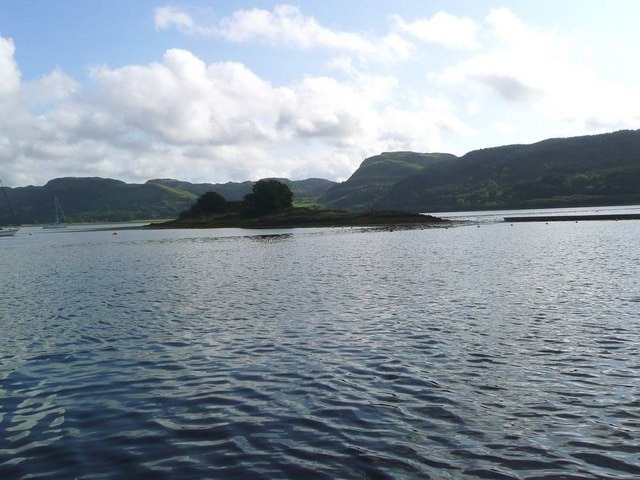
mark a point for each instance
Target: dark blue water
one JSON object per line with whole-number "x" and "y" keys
{"x": 493, "y": 352}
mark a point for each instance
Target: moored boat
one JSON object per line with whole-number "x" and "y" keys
{"x": 8, "y": 230}
{"x": 60, "y": 219}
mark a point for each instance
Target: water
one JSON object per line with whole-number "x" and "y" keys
{"x": 491, "y": 351}
{"x": 493, "y": 216}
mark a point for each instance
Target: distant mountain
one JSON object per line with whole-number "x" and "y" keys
{"x": 579, "y": 171}
{"x": 377, "y": 175}
{"x": 97, "y": 199}
{"x": 304, "y": 191}
{"x": 230, "y": 190}
{"x": 92, "y": 199}
{"x": 311, "y": 187}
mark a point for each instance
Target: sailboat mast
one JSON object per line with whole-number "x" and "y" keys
{"x": 59, "y": 210}
{"x": 6, "y": 197}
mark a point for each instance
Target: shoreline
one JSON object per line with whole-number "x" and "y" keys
{"x": 571, "y": 218}
{"x": 306, "y": 218}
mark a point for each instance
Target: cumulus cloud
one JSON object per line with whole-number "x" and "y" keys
{"x": 338, "y": 112}
{"x": 517, "y": 68}
{"x": 9, "y": 72}
{"x": 183, "y": 117}
{"x": 53, "y": 87}
{"x": 537, "y": 71}
{"x": 183, "y": 101}
{"x": 510, "y": 88}
{"x": 443, "y": 28}
{"x": 287, "y": 25}
{"x": 170, "y": 17}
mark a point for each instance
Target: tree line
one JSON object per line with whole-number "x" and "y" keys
{"x": 267, "y": 196}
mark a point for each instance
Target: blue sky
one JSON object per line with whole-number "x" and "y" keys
{"x": 214, "y": 91}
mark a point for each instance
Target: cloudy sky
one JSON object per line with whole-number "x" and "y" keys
{"x": 215, "y": 91}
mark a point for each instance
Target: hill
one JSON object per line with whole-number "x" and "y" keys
{"x": 303, "y": 190}
{"x": 97, "y": 199}
{"x": 578, "y": 171}
{"x": 93, "y": 199}
{"x": 230, "y": 191}
{"x": 559, "y": 172}
{"x": 376, "y": 176}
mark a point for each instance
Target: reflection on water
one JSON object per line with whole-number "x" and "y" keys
{"x": 493, "y": 352}
{"x": 271, "y": 238}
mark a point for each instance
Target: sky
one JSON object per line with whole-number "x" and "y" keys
{"x": 217, "y": 91}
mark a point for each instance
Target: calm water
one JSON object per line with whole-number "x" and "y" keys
{"x": 490, "y": 351}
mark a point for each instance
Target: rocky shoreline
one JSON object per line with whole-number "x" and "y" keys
{"x": 307, "y": 218}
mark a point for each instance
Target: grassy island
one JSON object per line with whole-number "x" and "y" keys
{"x": 269, "y": 205}
{"x": 305, "y": 217}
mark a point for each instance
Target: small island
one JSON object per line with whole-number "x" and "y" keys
{"x": 269, "y": 205}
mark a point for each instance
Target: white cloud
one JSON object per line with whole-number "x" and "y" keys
{"x": 9, "y": 72}
{"x": 184, "y": 101}
{"x": 443, "y": 29}
{"x": 287, "y": 26}
{"x": 537, "y": 72}
{"x": 183, "y": 117}
{"x": 503, "y": 127}
{"x": 52, "y": 87}
{"x": 169, "y": 17}
{"x": 518, "y": 68}
{"x": 341, "y": 113}
{"x": 420, "y": 130}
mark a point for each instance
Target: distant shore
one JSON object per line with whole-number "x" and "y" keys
{"x": 307, "y": 218}
{"x": 570, "y": 218}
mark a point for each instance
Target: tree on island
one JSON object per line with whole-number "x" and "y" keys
{"x": 207, "y": 203}
{"x": 268, "y": 196}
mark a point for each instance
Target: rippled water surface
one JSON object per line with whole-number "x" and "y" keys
{"x": 489, "y": 351}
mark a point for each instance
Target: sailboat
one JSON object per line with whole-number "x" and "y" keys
{"x": 61, "y": 220}
{"x": 8, "y": 231}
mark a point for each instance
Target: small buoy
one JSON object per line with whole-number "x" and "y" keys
{"x": 114, "y": 233}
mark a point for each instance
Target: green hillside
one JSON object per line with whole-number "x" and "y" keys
{"x": 97, "y": 199}
{"x": 579, "y": 171}
{"x": 376, "y": 176}
{"x": 106, "y": 200}
{"x": 230, "y": 190}
{"x": 304, "y": 191}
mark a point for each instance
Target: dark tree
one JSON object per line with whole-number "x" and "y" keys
{"x": 210, "y": 202}
{"x": 268, "y": 196}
